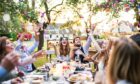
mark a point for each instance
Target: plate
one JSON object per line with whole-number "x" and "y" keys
{"x": 79, "y": 77}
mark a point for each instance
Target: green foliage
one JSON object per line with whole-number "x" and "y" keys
{"x": 12, "y": 26}
{"x": 16, "y": 12}
{"x": 69, "y": 24}
{"x": 28, "y": 14}
{"x": 8, "y": 6}
{"x": 73, "y": 2}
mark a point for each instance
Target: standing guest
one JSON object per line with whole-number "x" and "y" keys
{"x": 64, "y": 49}
{"x": 83, "y": 50}
{"x": 123, "y": 66}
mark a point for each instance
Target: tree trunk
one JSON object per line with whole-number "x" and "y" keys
{"x": 27, "y": 3}
{"x": 33, "y": 4}
{"x": 41, "y": 36}
{"x": 41, "y": 39}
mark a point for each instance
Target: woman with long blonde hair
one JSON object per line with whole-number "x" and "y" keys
{"x": 123, "y": 66}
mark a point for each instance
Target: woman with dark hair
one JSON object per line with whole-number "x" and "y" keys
{"x": 6, "y": 47}
{"x": 64, "y": 49}
{"x": 3, "y": 47}
{"x": 123, "y": 65}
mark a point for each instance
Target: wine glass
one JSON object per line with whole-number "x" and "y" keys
{"x": 77, "y": 58}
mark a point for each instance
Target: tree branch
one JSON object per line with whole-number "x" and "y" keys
{"x": 56, "y": 11}
{"x": 56, "y": 6}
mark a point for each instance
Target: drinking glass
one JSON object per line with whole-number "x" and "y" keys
{"x": 77, "y": 58}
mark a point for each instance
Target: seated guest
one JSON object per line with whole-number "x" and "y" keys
{"x": 64, "y": 49}
{"x": 6, "y": 47}
{"x": 101, "y": 57}
{"x": 26, "y": 52}
{"x": 102, "y": 60}
{"x": 123, "y": 66}
{"x": 78, "y": 48}
{"x": 7, "y": 64}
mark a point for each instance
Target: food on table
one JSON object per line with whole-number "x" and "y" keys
{"x": 55, "y": 78}
{"x": 79, "y": 77}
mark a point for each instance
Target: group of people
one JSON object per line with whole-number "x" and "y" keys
{"x": 116, "y": 63}
{"x": 17, "y": 59}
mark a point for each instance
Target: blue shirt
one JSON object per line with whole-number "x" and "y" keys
{"x": 3, "y": 72}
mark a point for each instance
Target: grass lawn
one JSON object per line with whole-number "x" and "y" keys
{"x": 42, "y": 60}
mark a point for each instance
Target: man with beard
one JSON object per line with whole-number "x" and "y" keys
{"x": 79, "y": 50}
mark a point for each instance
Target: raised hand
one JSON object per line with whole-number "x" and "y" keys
{"x": 39, "y": 53}
{"x": 10, "y": 61}
{"x": 37, "y": 36}
{"x": 21, "y": 38}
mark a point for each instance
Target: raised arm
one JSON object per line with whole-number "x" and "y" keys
{"x": 36, "y": 43}
{"x": 19, "y": 42}
{"x": 30, "y": 59}
{"x": 87, "y": 45}
{"x": 32, "y": 48}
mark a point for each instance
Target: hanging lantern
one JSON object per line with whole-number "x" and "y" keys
{"x": 6, "y": 17}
